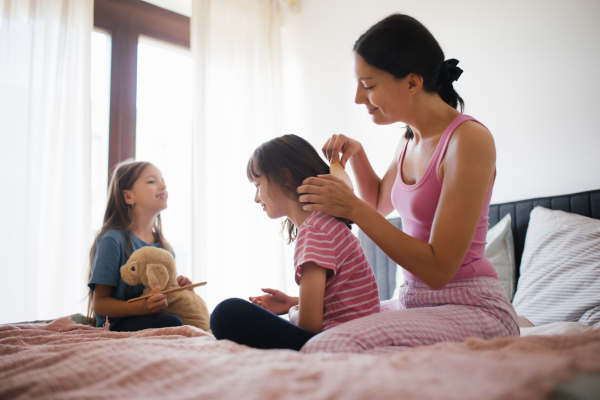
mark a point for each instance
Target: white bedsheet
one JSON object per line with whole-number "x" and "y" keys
{"x": 557, "y": 328}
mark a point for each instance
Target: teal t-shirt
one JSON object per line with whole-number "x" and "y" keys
{"x": 109, "y": 256}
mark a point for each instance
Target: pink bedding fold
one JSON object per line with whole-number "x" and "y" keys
{"x": 63, "y": 360}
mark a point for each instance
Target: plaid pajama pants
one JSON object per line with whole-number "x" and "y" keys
{"x": 475, "y": 307}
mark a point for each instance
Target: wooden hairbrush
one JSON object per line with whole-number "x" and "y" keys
{"x": 339, "y": 172}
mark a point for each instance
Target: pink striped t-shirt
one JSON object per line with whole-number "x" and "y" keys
{"x": 351, "y": 290}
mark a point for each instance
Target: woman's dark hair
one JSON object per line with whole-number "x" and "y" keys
{"x": 286, "y": 157}
{"x": 401, "y": 45}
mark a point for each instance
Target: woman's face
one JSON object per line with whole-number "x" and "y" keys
{"x": 383, "y": 94}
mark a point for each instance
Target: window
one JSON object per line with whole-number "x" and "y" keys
{"x": 100, "y": 119}
{"x": 142, "y": 106}
{"x": 164, "y": 134}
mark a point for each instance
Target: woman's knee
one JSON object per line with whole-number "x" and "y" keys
{"x": 334, "y": 342}
{"x": 356, "y": 336}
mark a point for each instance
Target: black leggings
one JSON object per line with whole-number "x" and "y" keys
{"x": 139, "y": 322}
{"x": 246, "y": 323}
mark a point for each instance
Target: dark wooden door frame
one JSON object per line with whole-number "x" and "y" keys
{"x": 126, "y": 20}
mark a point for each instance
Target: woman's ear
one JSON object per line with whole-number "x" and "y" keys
{"x": 415, "y": 83}
{"x": 128, "y": 195}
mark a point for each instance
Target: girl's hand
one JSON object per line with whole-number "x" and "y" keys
{"x": 183, "y": 281}
{"x": 275, "y": 301}
{"x": 329, "y": 195}
{"x": 156, "y": 304}
{"x": 337, "y": 144}
{"x": 294, "y": 315}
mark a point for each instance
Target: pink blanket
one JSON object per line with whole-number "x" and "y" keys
{"x": 63, "y": 360}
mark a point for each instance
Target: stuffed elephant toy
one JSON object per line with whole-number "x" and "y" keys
{"x": 152, "y": 267}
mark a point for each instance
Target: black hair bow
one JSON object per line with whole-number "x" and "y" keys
{"x": 451, "y": 72}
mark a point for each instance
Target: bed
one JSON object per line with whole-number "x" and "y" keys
{"x": 64, "y": 359}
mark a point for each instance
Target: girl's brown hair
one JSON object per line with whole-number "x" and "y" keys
{"x": 119, "y": 215}
{"x": 284, "y": 157}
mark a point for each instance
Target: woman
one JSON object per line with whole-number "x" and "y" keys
{"x": 440, "y": 181}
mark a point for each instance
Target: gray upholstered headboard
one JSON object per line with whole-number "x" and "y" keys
{"x": 383, "y": 266}
{"x": 584, "y": 203}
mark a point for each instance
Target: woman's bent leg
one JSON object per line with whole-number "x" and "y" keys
{"x": 140, "y": 322}
{"x": 476, "y": 307}
{"x": 248, "y": 324}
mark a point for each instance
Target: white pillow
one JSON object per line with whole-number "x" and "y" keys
{"x": 560, "y": 269}
{"x": 500, "y": 250}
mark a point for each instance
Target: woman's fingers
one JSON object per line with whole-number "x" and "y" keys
{"x": 310, "y": 198}
{"x": 333, "y": 148}
{"x": 337, "y": 147}
{"x": 345, "y": 158}
{"x": 313, "y": 207}
{"x": 327, "y": 147}
{"x": 311, "y": 185}
{"x": 337, "y": 144}
{"x": 318, "y": 185}
{"x": 309, "y": 189}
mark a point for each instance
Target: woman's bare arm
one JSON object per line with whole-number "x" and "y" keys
{"x": 468, "y": 171}
{"x": 375, "y": 191}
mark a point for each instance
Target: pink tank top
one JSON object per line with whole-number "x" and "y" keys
{"x": 417, "y": 205}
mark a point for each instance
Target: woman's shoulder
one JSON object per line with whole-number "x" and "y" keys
{"x": 472, "y": 130}
{"x": 473, "y": 137}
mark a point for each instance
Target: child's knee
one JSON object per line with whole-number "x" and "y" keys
{"x": 171, "y": 320}
{"x": 225, "y": 315}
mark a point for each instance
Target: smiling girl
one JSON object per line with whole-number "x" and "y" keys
{"x": 137, "y": 194}
{"x": 336, "y": 281}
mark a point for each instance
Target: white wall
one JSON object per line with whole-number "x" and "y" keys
{"x": 532, "y": 76}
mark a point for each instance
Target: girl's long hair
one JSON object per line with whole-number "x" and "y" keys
{"x": 400, "y": 45}
{"x": 119, "y": 215}
{"x": 286, "y": 156}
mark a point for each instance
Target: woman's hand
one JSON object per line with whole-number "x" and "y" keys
{"x": 337, "y": 144}
{"x": 329, "y": 195}
{"x": 155, "y": 304}
{"x": 183, "y": 281}
{"x": 275, "y": 301}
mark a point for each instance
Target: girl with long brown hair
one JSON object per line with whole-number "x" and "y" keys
{"x": 137, "y": 194}
{"x": 336, "y": 281}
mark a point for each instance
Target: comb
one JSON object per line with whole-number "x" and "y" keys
{"x": 339, "y": 172}
{"x": 188, "y": 287}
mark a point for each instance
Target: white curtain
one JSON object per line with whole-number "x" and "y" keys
{"x": 236, "y": 46}
{"x": 44, "y": 156}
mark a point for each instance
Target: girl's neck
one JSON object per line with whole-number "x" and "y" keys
{"x": 297, "y": 214}
{"x": 433, "y": 117}
{"x": 142, "y": 227}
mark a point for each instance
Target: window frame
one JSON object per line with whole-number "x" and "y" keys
{"x": 126, "y": 21}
